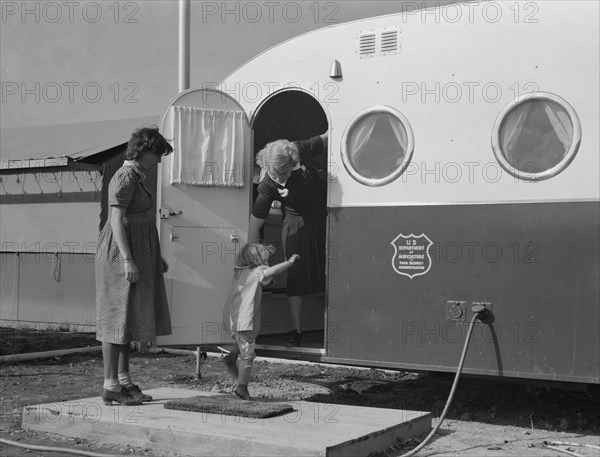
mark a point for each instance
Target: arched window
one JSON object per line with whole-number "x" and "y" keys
{"x": 536, "y": 136}
{"x": 377, "y": 145}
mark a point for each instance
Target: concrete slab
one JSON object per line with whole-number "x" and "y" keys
{"x": 313, "y": 429}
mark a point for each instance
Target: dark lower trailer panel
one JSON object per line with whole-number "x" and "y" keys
{"x": 535, "y": 265}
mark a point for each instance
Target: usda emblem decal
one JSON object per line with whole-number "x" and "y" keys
{"x": 411, "y": 255}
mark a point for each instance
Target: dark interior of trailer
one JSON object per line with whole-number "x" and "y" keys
{"x": 292, "y": 115}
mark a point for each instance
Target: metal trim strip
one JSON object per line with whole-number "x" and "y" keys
{"x": 497, "y": 202}
{"x": 295, "y": 350}
{"x": 512, "y": 375}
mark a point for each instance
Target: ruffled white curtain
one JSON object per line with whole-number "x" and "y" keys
{"x": 362, "y": 134}
{"x": 401, "y": 138}
{"x": 513, "y": 125}
{"x": 556, "y": 116}
{"x": 561, "y": 123}
{"x": 360, "y": 138}
{"x": 209, "y": 146}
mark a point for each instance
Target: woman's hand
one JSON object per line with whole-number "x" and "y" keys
{"x": 131, "y": 271}
{"x": 294, "y": 258}
{"x": 165, "y": 265}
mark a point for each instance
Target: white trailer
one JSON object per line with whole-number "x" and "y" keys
{"x": 463, "y": 162}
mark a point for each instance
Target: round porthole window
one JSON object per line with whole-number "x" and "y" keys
{"x": 377, "y": 145}
{"x": 536, "y": 136}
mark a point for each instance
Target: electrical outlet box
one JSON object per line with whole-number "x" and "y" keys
{"x": 456, "y": 310}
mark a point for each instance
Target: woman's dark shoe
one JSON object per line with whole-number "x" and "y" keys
{"x": 294, "y": 339}
{"x": 231, "y": 364}
{"x": 137, "y": 393}
{"x": 123, "y": 397}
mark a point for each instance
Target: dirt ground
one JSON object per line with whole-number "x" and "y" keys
{"x": 486, "y": 418}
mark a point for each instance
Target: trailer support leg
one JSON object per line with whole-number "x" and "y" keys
{"x": 198, "y": 363}
{"x": 201, "y": 356}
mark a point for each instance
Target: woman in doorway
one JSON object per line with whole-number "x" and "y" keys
{"x": 131, "y": 302}
{"x": 294, "y": 178}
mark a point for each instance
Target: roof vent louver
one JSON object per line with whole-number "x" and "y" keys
{"x": 367, "y": 44}
{"x": 382, "y": 42}
{"x": 389, "y": 41}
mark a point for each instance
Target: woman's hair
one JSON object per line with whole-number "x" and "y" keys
{"x": 145, "y": 140}
{"x": 278, "y": 157}
{"x": 255, "y": 254}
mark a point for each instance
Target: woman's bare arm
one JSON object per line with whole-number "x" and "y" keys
{"x": 116, "y": 223}
{"x": 254, "y": 229}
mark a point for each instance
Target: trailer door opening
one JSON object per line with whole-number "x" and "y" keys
{"x": 292, "y": 115}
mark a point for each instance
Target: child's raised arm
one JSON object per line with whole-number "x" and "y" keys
{"x": 280, "y": 267}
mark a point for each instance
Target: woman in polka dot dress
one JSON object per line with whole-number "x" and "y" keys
{"x": 131, "y": 302}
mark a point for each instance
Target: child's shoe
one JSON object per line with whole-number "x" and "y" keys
{"x": 242, "y": 392}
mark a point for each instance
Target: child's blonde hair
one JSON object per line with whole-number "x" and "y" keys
{"x": 255, "y": 254}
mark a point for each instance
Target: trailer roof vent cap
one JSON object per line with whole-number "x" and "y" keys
{"x": 336, "y": 70}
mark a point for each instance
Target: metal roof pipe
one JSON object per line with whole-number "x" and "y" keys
{"x": 184, "y": 45}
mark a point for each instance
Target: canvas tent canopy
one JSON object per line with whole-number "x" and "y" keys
{"x": 59, "y": 145}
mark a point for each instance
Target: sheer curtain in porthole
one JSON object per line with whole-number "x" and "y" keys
{"x": 536, "y": 135}
{"x": 377, "y": 145}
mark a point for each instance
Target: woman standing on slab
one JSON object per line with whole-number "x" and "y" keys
{"x": 131, "y": 302}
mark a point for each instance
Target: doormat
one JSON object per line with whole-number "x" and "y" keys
{"x": 230, "y": 406}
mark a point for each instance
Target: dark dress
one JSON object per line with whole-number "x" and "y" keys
{"x": 304, "y": 207}
{"x": 127, "y": 311}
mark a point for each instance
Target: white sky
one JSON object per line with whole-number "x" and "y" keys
{"x": 77, "y": 61}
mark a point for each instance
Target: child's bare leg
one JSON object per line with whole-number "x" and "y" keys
{"x": 246, "y": 343}
{"x": 231, "y": 361}
{"x": 245, "y": 369}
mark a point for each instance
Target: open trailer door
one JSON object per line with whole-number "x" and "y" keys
{"x": 204, "y": 195}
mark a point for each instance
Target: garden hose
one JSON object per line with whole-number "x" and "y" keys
{"x": 479, "y": 312}
{"x": 34, "y": 447}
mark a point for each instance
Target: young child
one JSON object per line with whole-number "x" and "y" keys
{"x": 241, "y": 314}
